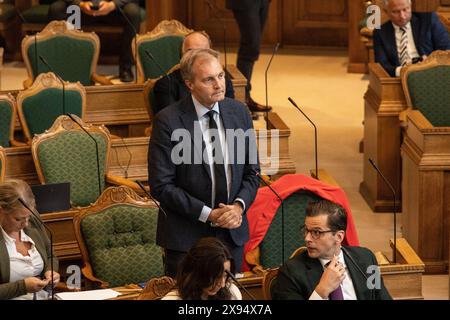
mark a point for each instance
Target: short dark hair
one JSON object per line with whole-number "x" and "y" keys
{"x": 202, "y": 266}
{"x": 337, "y": 216}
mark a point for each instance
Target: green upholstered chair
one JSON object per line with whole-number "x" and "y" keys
{"x": 8, "y": 121}
{"x": 164, "y": 43}
{"x": 72, "y": 54}
{"x": 2, "y": 164}
{"x": 65, "y": 153}
{"x": 117, "y": 236}
{"x": 40, "y": 105}
{"x": 427, "y": 88}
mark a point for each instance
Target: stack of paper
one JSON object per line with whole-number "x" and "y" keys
{"x": 101, "y": 294}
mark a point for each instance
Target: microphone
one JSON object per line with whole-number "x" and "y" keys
{"x": 344, "y": 250}
{"x": 214, "y": 10}
{"x": 62, "y": 82}
{"x": 151, "y": 197}
{"x": 35, "y": 42}
{"x": 148, "y": 53}
{"x": 96, "y": 151}
{"x": 51, "y": 241}
{"x": 315, "y": 132}
{"x": 240, "y": 285}
{"x": 282, "y": 211}
{"x": 135, "y": 38}
{"x": 395, "y": 208}
{"x": 275, "y": 49}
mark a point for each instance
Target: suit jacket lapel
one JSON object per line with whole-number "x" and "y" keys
{"x": 314, "y": 272}
{"x": 190, "y": 121}
{"x": 415, "y": 26}
{"x": 359, "y": 282}
{"x": 389, "y": 35}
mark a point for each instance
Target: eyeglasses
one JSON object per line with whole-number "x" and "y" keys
{"x": 315, "y": 234}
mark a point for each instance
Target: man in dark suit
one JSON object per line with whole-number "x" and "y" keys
{"x": 106, "y": 12}
{"x": 200, "y": 168}
{"x": 408, "y": 37}
{"x": 251, "y": 17}
{"x": 168, "y": 91}
{"x": 325, "y": 270}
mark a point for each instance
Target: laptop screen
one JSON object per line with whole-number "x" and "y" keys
{"x": 52, "y": 197}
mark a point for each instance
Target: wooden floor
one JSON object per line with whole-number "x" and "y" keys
{"x": 333, "y": 99}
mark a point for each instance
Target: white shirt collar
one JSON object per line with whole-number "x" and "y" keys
{"x": 23, "y": 237}
{"x": 397, "y": 28}
{"x": 340, "y": 258}
{"x": 201, "y": 110}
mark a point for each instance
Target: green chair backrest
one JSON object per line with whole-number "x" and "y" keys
{"x": 430, "y": 94}
{"x": 6, "y": 116}
{"x": 121, "y": 244}
{"x": 70, "y": 156}
{"x": 69, "y": 57}
{"x": 42, "y": 109}
{"x": 294, "y": 219}
{"x": 166, "y": 52}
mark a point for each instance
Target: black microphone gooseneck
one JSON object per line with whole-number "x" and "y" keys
{"x": 395, "y": 207}
{"x": 344, "y": 250}
{"x": 35, "y": 42}
{"x": 96, "y": 151}
{"x": 135, "y": 39}
{"x": 151, "y": 197}
{"x": 275, "y": 49}
{"x": 62, "y": 82}
{"x": 214, "y": 10}
{"x": 315, "y": 133}
{"x": 240, "y": 285}
{"x": 51, "y": 241}
{"x": 148, "y": 53}
{"x": 282, "y": 212}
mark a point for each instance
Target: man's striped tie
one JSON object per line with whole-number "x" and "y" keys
{"x": 404, "y": 55}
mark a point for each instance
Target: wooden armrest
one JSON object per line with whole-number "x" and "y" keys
{"x": 101, "y": 79}
{"x": 378, "y": 70}
{"x": 88, "y": 274}
{"x": 119, "y": 181}
{"x": 27, "y": 83}
{"x": 16, "y": 143}
{"x": 419, "y": 119}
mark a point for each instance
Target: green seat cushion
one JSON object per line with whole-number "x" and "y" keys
{"x": 7, "y": 11}
{"x": 70, "y": 58}
{"x": 121, "y": 244}
{"x": 430, "y": 93}
{"x": 294, "y": 219}
{"x": 5, "y": 122}
{"x": 42, "y": 109}
{"x": 71, "y": 157}
{"x": 36, "y": 14}
{"x": 166, "y": 52}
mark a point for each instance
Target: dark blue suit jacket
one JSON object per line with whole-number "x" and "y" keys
{"x": 429, "y": 35}
{"x": 183, "y": 189}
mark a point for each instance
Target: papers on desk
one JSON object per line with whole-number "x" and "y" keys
{"x": 101, "y": 294}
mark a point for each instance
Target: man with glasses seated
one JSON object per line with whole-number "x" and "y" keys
{"x": 327, "y": 271}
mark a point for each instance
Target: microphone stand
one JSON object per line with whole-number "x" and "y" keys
{"x": 161, "y": 70}
{"x": 282, "y": 212}
{"x": 240, "y": 285}
{"x": 315, "y": 133}
{"x": 344, "y": 250}
{"x": 96, "y": 151}
{"x": 62, "y": 82}
{"x": 151, "y": 197}
{"x": 275, "y": 49}
{"x": 395, "y": 208}
{"x": 51, "y": 242}
{"x": 214, "y": 10}
{"x": 135, "y": 39}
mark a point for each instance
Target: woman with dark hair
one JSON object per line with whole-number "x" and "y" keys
{"x": 203, "y": 273}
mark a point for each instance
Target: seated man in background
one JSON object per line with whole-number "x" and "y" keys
{"x": 408, "y": 37}
{"x": 168, "y": 91}
{"x": 106, "y": 12}
{"x": 325, "y": 270}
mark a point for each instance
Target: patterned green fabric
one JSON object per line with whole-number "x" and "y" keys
{"x": 5, "y": 122}
{"x": 121, "y": 244}
{"x": 70, "y": 58}
{"x": 36, "y": 14}
{"x": 42, "y": 109}
{"x": 294, "y": 219}
{"x": 71, "y": 157}
{"x": 6, "y": 12}
{"x": 430, "y": 93}
{"x": 166, "y": 51}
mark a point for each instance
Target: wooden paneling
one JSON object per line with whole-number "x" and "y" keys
{"x": 315, "y": 22}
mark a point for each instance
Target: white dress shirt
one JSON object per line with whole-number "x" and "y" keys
{"x": 22, "y": 267}
{"x": 347, "y": 287}
{"x": 411, "y": 47}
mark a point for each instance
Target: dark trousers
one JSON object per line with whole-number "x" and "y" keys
{"x": 173, "y": 258}
{"x": 251, "y": 25}
{"x": 57, "y": 11}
